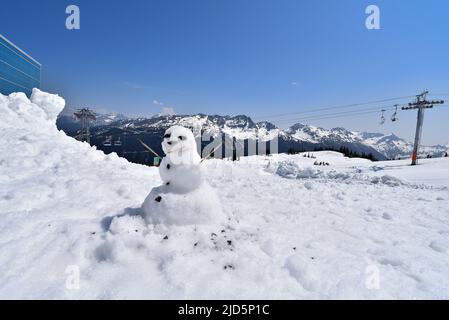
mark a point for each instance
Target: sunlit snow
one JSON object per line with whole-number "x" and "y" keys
{"x": 350, "y": 229}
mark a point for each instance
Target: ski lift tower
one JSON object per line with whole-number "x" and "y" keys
{"x": 421, "y": 103}
{"x": 85, "y": 116}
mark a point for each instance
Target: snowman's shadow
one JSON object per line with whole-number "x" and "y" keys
{"x": 131, "y": 212}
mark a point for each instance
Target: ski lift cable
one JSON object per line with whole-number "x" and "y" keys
{"x": 355, "y": 112}
{"x": 340, "y": 116}
{"x": 370, "y": 110}
{"x": 312, "y": 110}
{"x": 336, "y": 116}
{"x": 378, "y": 108}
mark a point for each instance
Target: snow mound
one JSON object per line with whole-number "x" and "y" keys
{"x": 291, "y": 170}
{"x": 54, "y": 192}
{"x": 200, "y": 206}
{"x": 39, "y": 114}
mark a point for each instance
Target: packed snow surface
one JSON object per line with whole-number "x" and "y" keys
{"x": 349, "y": 229}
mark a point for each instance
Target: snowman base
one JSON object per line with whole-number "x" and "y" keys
{"x": 200, "y": 206}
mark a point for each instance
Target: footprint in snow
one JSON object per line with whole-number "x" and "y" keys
{"x": 390, "y": 262}
{"x": 439, "y": 246}
{"x": 387, "y": 216}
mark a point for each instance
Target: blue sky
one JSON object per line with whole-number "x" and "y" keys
{"x": 253, "y": 57}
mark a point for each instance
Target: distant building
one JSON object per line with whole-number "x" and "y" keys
{"x": 19, "y": 72}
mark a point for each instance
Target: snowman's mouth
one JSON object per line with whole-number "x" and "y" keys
{"x": 172, "y": 146}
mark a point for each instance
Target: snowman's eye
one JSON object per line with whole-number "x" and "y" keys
{"x": 181, "y": 138}
{"x": 167, "y": 136}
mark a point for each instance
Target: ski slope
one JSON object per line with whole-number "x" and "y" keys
{"x": 352, "y": 229}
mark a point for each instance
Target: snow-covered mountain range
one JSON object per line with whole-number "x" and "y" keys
{"x": 389, "y": 145}
{"x": 69, "y": 123}
{"x": 299, "y": 137}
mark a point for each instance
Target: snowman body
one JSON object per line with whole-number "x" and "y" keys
{"x": 184, "y": 197}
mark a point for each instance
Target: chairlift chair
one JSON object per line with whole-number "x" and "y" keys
{"x": 107, "y": 142}
{"x": 382, "y": 118}
{"x": 394, "y": 116}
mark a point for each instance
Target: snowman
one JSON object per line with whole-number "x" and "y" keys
{"x": 180, "y": 168}
{"x": 184, "y": 197}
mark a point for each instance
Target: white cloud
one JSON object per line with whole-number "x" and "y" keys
{"x": 165, "y": 111}
{"x": 168, "y": 111}
{"x": 296, "y": 84}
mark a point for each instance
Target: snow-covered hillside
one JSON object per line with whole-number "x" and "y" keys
{"x": 349, "y": 229}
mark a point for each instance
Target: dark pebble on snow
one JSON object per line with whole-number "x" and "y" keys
{"x": 166, "y": 238}
{"x": 158, "y": 199}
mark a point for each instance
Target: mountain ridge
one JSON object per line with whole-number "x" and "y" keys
{"x": 296, "y": 138}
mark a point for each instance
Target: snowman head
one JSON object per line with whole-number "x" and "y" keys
{"x": 180, "y": 140}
